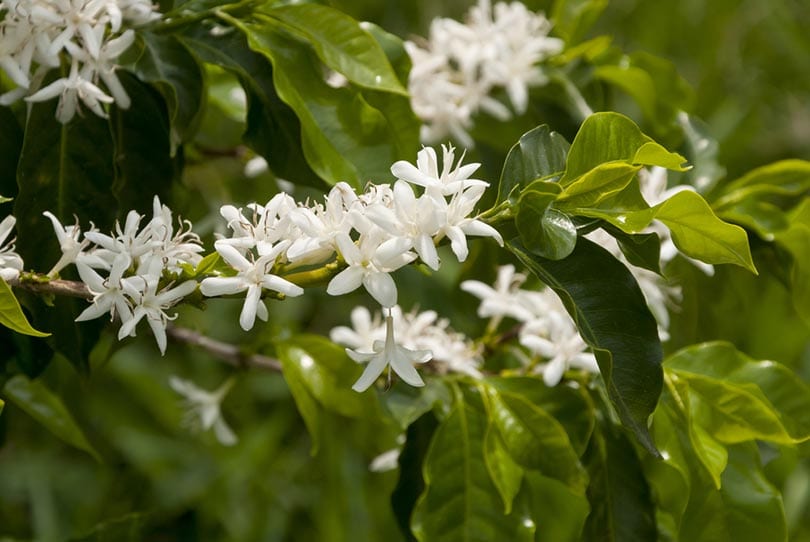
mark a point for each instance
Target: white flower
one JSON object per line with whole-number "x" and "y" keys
{"x": 205, "y": 408}
{"x": 108, "y": 294}
{"x": 369, "y": 265}
{"x": 11, "y": 264}
{"x": 389, "y": 354}
{"x": 453, "y": 177}
{"x": 503, "y": 298}
{"x": 555, "y": 337}
{"x": 251, "y": 276}
{"x": 150, "y": 303}
{"x": 459, "y": 224}
{"x": 173, "y": 249}
{"x": 69, "y": 243}
{"x": 77, "y": 86}
{"x": 363, "y": 333}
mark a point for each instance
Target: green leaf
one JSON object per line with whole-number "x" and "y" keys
{"x": 605, "y": 301}
{"x": 341, "y": 43}
{"x": 164, "y": 61}
{"x": 746, "y": 509}
{"x": 128, "y": 528}
{"x": 702, "y": 151}
{"x": 11, "y": 314}
{"x": 544, "y": 230}
{"x": 622, "y": 509}
{"x": 698, "y": 233}
{"x": 570, "y": 407}
{"x": 48, "y": 409}
{"x": 796, "y": 240}
{"x": 2, "y": 404}
{"x": 460, "y": 502}
{"x": 641, "y": 249}
{"x": 308, "y": 406}
{"x": 406, "y": 404}
{"x": 783, "y": 178}
{"x": 573, "y": 18}
{"x": 609, "y": 137}
{"x": 597, "y": 185}
{"x": 747, "y": 399}
{"x": 533, "y": 438}
{"x": 328, "y": 374}
{"x": 505, "y": 473}
{"x": 539, "y": 153}
{"x": 273, "y": 130}
{"x": 141, "y": 133}
{"x": 559, "y": 511}
{"x": 11, "y": 137}
{"x": 344, "y": 137}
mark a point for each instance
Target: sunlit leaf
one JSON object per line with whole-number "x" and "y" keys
{"x": 597, "y": 184}
{"x": 11, "y": 314}
{"x": 538, "y": 153}
{"x": 605, "y": 301}
{"x": 341, "y": 43}
{"x": 47, "y": 408}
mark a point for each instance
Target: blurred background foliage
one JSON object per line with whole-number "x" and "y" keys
{"x": 749, "y": 65}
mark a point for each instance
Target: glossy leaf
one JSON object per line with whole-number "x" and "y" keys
{"x": 622, "y": 509}
{"x": 608, "y": 137}
{"x": 272, "y": 130}
{"x": 539, "y": 153}
{"x": 344, "y": 137}
{"x": 597, "y": 185}
{"x": 641, "y": 249}
{"x": 11, "y": 314}
{"x": 504, "y": 472}
{"x": 543, "y": 229}
{"x": 605, "y": 301}
{"x": 341, "y": 44}
{"x": 573, "y": 18}
{"x": 406, "y": 404}
{"x": 747, "y": 508}
{"x": 164, "y": 61}
{"x": 311, "y": 412}
{"x": 533, "y": 438}
{"x": 783, "y": 178}
{"x": 698, "y": 233}
{"x": 328, "y": 374}
{"x": 142, "y": 139}
{"x": 570, "y": 407}
{"x": 460, "y": 502}
{"x": 747, "y": 399}
{"x": 47, "y": 408}
{"x": 11, "y": 137}
{"x": 558, "y": 512}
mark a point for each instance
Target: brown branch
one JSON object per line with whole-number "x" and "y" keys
{"x": 39, "y": 284}
{"x": 228, "y": 353}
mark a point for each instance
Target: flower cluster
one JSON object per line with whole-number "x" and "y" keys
{"x": 124, "y": 270}
{"x": 203, "y": 408}
{"x": 417, "y": 333}
{"x": 372, "y": 234}
{"x": 547, "y": 330}
{"x": 456, "y": 71}
{"x": 34, "y": 34}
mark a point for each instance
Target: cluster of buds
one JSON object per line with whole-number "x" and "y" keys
{"x": 459, "y": 67}
{"x": 85, "y": 36}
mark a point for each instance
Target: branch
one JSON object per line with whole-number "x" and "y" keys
{"x": 228, "y": 353}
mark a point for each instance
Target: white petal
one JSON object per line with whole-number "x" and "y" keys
{"x": 248, "y": 315}
{"x": 382, "y": 288}
{"x": 346, "y": 281}
{"x": 216, "y": 286}
{"x": 373, "y": 370}
{"x": 403, "y": 366}
{"x": 278, "y": 284}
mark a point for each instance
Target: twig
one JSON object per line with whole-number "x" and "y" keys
{"x": 228, "y": 353}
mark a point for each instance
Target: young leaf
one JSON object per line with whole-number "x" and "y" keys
{"x": 748, "y": 399}
{"x": 45, "y": 407}
{"x": 605, "y": 301}
{"x": 608, "y": 137}
{"x": 598, "y": 184}
{"x": 341, "y": 43}
{"x": 538, "y": 153}
{"x": 11, "y": 314}
{"x": 698, "y": 233}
